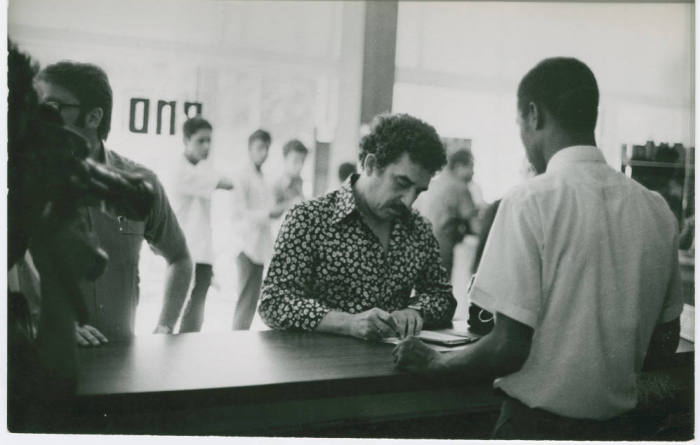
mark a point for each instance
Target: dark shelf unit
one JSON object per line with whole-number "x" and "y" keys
{"x": 674, "y": 180}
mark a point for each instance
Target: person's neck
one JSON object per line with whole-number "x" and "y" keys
{"x": 257, "y": 167}
{"x": 560, "y": 141}
{"x": 359, "y": 190}
{"x": 452, "y": 174}
{"x": 193, "y": 160}
{"x": 96, "y": 149}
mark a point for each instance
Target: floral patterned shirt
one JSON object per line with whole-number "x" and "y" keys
{"x": 327, "y": 258}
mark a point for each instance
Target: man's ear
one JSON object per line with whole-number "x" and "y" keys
{"x": 370, "y": 164}
{"x": 93, "y": 118}
{"x": 536, "y": 116}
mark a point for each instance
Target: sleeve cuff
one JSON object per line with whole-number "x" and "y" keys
{"x": 494, "y": 305}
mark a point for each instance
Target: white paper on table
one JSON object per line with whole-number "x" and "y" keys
{"x": 435, "y": 339}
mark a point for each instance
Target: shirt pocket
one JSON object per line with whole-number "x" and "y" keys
{"x": 127, "y": 227}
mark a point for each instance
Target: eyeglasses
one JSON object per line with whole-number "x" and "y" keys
{"x": 60, "y": 106}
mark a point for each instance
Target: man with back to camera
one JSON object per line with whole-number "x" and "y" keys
{"x": 581, "y": 270}
{"x": 193, "y": 183}
{"x": 82, "y": 95}
{"x": 253, "y": 210}
{"x": 348, "y": 262}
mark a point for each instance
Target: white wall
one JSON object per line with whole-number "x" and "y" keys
{"x": 291, "y": 67}
{"x": 459, "y": 64}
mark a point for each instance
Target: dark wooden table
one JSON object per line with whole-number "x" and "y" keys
{"x": 244, "y": 382}
{"x": 261, "y": 383}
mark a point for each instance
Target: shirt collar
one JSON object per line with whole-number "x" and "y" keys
{"x": 345, "y": 203}
{"x": 109, "y": 156}
{"x": 253, "y": 168}
{"x": 576, "y": 153}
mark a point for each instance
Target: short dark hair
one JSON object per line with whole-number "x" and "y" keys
{"x": 392, "y": 135}
{"x": 566, "y": 88}
{"x": 260, "y": 135}
{"x": 294, "y": 145}
{"x": 462, "y": 156}
{"x": 193, "y": 125}
{"x": 346, "y": 169}
{"x": 90, "y": 85}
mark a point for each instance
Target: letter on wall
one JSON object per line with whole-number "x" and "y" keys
{"x": 132, "y": 115}
{"x": 171, "y": 105}
{"x": 196, "y": 105}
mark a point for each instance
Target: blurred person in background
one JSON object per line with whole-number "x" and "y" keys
{"x": 451, "y": 206}
{"x": 289, "y": 188}
{"x": 253, "y": 209}
{"x": 345, "y": 170}
{"x": 81, "y": 93}
{"x": 193, "y": 182}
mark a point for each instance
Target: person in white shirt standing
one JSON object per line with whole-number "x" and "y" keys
{"x": 581, "y": 270}
{"x": 252, "y": 213}
{"x": 193, "y": 183}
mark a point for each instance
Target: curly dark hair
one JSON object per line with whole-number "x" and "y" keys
{"x": 392, "y": 135}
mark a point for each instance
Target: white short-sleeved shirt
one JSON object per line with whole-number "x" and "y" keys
{"x": 589, "y": 259}
{"x": 191, "y": 188}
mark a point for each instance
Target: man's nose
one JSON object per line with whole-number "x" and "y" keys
{"x": 409, "y": 197}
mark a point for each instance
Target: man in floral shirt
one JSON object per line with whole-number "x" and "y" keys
{"x": 358, "y": 261}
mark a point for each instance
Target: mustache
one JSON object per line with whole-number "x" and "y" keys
{"x": 400, "y": 208}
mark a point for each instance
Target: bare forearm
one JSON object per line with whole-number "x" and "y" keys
{"x": 335, "y": 323}
{"x": 499, "y": 353}
{"x": 177, "y": 283}
{"x": 474, "y": 363}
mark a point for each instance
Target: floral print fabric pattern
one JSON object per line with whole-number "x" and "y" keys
{"x": 327, "y": 258}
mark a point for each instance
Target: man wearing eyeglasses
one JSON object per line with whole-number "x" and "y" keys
{"x": 83, "y": 96}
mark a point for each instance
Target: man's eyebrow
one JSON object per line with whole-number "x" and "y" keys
{"x": 405, "y": 178}
{"x": 54, "y": 99}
